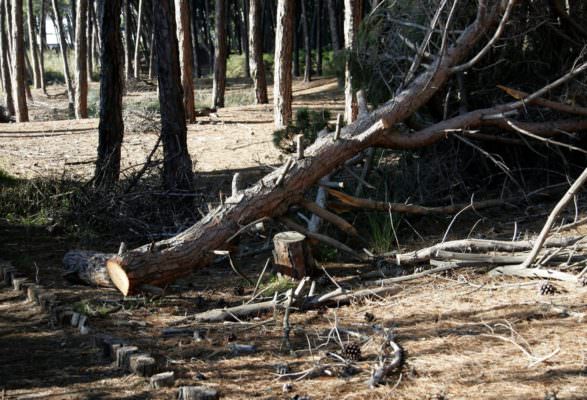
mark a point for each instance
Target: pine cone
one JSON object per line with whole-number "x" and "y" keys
{"x": 547, "y": 289}
{"x": 369, "y": 317}
{"x": 352, "y": 351}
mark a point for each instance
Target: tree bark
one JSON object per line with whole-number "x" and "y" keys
{"x": 33, "y": 47}
{"x": 182, "y": 17}
{"x": 177, "y": 164}
{"x": 162, "y": 262}
{"x": 332, "y": 18}
{"x": 5, "y": 62}
{"x": 221, "y": 53}
{"x": 282, "y": 94}
{"x": 127, "y": 41}
{"x": 307, "y": 47}
{"x": 81, "y": 57}
{"x": 21, "y": 108}
{"x": 137, "y": 70}
{"x": 63, "y": 46}
{"x": 256, "y": 52}
{"x": 352, "y": 18}
{"x": 111, "y": 126}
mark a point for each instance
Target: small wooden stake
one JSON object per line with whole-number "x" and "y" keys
{"x": 164, "y": 379}
{"x": 123, "y": 357}
{"x": 197, "y": 393}
{"x": 338, "y": 127}
{"x": 300, "y": 146}
{"x": 236, "y": 183}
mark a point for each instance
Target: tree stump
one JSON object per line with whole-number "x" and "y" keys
{"x": 292, "y": 255}
{"x": 142, "y": 365}
{"x": 197, "y": 393}
{"x": 164, "y": 379}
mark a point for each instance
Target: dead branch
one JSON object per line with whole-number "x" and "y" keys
{"x": 553, "y": 105}
{"x": 408, "y": 208}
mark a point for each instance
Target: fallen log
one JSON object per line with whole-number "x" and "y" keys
{"x": 162, "y": 262}
{"x": 87, "y": 266}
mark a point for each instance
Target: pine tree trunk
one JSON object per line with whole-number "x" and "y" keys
{"x": 137, "y": 41}
{"x": 63, "y": 46}
{"x": 8, "y": 8}
{"x": 21, "y": 109}
{"x": 256, "y": 52}
{"x": 90, "y": 40}
{"x": 319, "y": 37}
{"x": 296, "y": 45}
{"x": 182, "y": 18}
{"x": 208, "y": 36}
{"x": 177, "y": 165}
{"x": 352, "y": 18}
{"x": 195, "y": 39}
{"x": 5, "y": 61}
{"x": 43, "y": 43}
{"x": 333, "y": 26}
{"x": 111, "y": 126}
{"x": 282, "y": 94}
{"x": 244, "y": 24}
{"x": 81, "y": 50}
{"x": 127, "y": 41}
{"x": 33, "y": 47}
{"x": 221, "y": 45}
{"x": 73, "y": 22}
{"x": 153, "y": 57}
{"x": 307, "y": 47}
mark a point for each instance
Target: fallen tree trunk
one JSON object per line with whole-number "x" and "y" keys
{"x": 162, "y": 262}
{"x": 87, "y": 266}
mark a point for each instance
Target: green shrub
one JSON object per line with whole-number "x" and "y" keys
{"x": 307, "y": 123}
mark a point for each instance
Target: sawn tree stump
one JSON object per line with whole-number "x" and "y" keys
{"x": 292, "y": 255}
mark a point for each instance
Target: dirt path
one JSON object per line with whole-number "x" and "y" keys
{"x": 233, "y": 138}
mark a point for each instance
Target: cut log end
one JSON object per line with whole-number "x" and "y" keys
{"x": 118, "y": 275}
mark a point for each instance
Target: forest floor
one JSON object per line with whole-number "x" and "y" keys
{"x": 465, "y": 335}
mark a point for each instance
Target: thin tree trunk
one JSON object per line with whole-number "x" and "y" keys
{"x": 21, "y": 109}
{"x": 33, "y": 47}
{"x": 282, "y": 94}
{"x": 319, "y": 37}
{"x": 307, "y": 47}
{"x": 182, "y": 18}
{"x": 177, "y": 164}
{"x": 153, "y": 57}
{"x": 219, "y": 83}
{"x": 5, "y": 63}
{"x": 73, "y": 22}
{"x": 256, "y": 52}
{"x": 244, "y": 24}
{"x": 195, "y": 39}
{"x": 90, "y": 40}
{"x": 43, "y": 43}
{"x": 296, "y": 45}
{"x": 63, "y": 46}
{"x": 81, "y": 49}
{"x": 206, "y": 11}
{"x": 127, "y": 41}
{"x": 332, "y": 18}
{"x": 352, "y": 18}
{"x": 111, "y": 127}
{"x": 139, "y": 20}
{"x": 8, "y": 8}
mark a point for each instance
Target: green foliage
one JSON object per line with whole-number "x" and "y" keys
{"x": 308, "y": 123}
{"x": 6, "y": 179}
{"x": 277, "y": 284}
{"x": 382, "y": 232}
